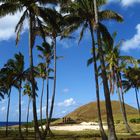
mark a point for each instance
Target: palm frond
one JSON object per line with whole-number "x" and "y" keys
{"x": 110, "y": 15}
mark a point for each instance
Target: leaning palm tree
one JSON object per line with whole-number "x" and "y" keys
{"x": 132, "y": 80}
{"x": 31, "y": 11}
{"x": 80, "y": 13}
{"x": 115, "y": 65}
{"x": 112, "y": 134}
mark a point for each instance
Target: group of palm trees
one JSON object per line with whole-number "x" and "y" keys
{"x": 118, "y": 73}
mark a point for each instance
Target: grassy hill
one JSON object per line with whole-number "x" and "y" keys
{"x": 88, "y": 112}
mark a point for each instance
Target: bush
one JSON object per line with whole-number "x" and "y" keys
{"x": 135, "y": 120}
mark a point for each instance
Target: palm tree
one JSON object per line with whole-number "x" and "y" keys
{"x": 46, "y": 54}
{"x": 116, "y": 64}
{"x": 6, "y": 77}
{"x": 53, "y": 29}
{"x": 97, "y": 84}
{"x": 132, "y": 80}
{"x": 32, "y": 12}
{"x": 16, "y": 66}
{"x": 82, "y": 13}
{"x": 27, "y": 91}
{"x": 3, "y": 90}
{"x": 41, "y": 69}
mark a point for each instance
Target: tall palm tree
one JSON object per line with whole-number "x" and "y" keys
{"x": 112, "y": 134}
{"x": 6, "y": 77}
{"x": 132, "y": 80}
{"x": 16, "y": 66}
{"x": 31, "y": 11}
{"x": 82, "y": 13}
{"x": 116, "y": 64}
{"x": 27, "y": 91}
{"x": 53, "y": 28}
{"x": 46, "y": 54}
{"x": 41, "y": 69}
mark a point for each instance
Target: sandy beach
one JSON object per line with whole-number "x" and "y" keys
{"x": 78, "y": 127}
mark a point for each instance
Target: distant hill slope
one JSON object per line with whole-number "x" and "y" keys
{"x": 88, "y": 112}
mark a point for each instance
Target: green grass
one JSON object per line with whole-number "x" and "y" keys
{"x": 66, "y": 135}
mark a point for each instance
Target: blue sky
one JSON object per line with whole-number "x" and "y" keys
{"x": 75, "y": 81}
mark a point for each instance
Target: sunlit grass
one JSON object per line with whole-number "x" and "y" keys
{"x": 80, "y": 135}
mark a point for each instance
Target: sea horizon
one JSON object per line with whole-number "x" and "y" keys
{"x": 11, "y": 123}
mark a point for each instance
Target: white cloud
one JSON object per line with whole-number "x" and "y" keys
{"x": 64, "y": 111}
{"x": 129, "y": 2}
{"x": 3, "y": 108}
{"x": 134, "y": 42}
{"x": 67, "y": 102}
{"x": 66, "y": 90}
{"x": 7, "y": 26}
{"x": 126, "y": 2}
{"x": 65, "y": 44}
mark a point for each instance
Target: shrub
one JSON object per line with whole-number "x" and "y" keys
{"x": 135, "y": 120}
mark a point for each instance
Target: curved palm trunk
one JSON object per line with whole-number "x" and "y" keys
{"x": 137, "y": 101}
{"x": 123, "y": 102}
{"x": 103, "y": 134}
{"x": 122, "y": 107}
{"x": 41, "y": 104}
{"x": 28, "y": 110}
{"x": 110, "y": 120}
{"x": 20, "y": 132}
{"x": 128, "y": 129}
{"x": 31, "y": 44}
{"x": 122, "y": 95}
{"x": 8, "y": 109}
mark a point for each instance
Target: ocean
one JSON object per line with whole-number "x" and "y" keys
{"x": 9, "y": 123}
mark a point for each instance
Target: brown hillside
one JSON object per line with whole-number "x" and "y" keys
{"x": 88, "y": 112}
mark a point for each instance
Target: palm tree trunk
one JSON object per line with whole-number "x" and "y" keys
{"x": 54, "y": 88}
{"x": 47, "y": 97}
{"x": 128, "y": 129}
{"x": 8, "y": 109}
{"x": 123, "y": 102}
{"x": 28, "y": 110}
{"x": 41, "y": 104}
{"x": 47, "y": 101}
{"x": 103, "y": 134}
{"x": 110, "y": 120}
{"x": 137, "y": 101}
{"x": 31, "y": 44}
{"x": 122, "y": 95}
{"x": 20, "y": 133}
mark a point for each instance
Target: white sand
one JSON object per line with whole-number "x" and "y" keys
{"x": 78, "y": 127}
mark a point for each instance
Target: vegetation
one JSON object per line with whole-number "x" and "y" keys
{"x": 118, "y": 73}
